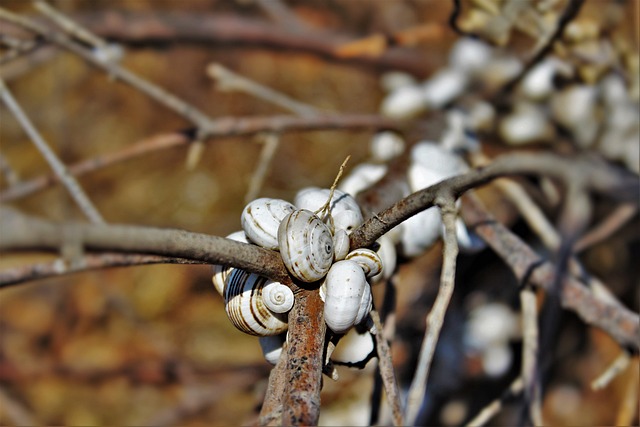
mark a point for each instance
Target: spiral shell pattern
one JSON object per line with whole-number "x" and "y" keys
{"x": 221, "y": 272}
{"x": 245, "y": 306}
{"x": 261, "y": 218}
{"x": 306, "y": 245}
{"x": 367, "y": 259}
{"x": 277, "y": 297}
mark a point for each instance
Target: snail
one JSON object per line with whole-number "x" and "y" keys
{"x": 221, "y": 272}
{"x": 272, "y": 347}
{"x": 306, "y": 245}
{"x": 245, "y": 307}
{"x": 386, "y": 145}
{"x": 361, "y": 177}
{"x": 346, "y": 295}
{"x": 368, "y": 260}
{"x": 277, "y": 297}
{"x": 260, "y": 220}
{"x": 344, "y": 209}
{"x": 340, "y": 244}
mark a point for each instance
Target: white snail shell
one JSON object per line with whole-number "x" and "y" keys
{"x": 221, "y": 272}
{"x": 354, "y": 349}
{"x": 361, "y": 177}
{"x": 260, "y": 220}
{"x": 344, "y": 209}
{"x": 306, "y": 245}
{"x": 245, "y": 307}
{"x": 277, "y": 297}
{"x": 271, "y": 348}
{"x": 386, "y": 145}
{"x": 340, "y": 244}
{"x": 346, "y": 295}
{"x": 367, "y": 259}
{"x": 388, "y": 255}
{"x": 420, "y": 232}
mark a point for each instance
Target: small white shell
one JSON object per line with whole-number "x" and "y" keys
{"x": 470, "y": 55}
{"x": 361, "y": 177}
{"x": 404, "y": 102}
{"x": 384, "y": 146}
{"x": 277, "y": 297}
{"x": 367, "y": 259}
{"x": 437, "y": 159}
{"x": 245, "y": 307}
{"x": 260, "y": 220}
{"x": 306, "y": 245}
{"x": 221, "y": 272}
{"x": 388, "y": 255}
{"x": 347, "y": 296}
{"x": 526, "y": 124}
{"x": 420, "y": 232}
{"x": 445, "y": 86}
{"x": 340, "y": 244}
{"x": 271, "y": 348}
{"x": 354, "y": 349}
{"x": 344, "y": 208}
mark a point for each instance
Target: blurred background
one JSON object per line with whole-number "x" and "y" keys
{"x": 151, "y": 345}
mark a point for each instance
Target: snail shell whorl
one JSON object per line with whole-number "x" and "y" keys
{"x": 347, "y": 296}
{"x": 368, "y": 260}
{"x": 260, "y": 220}
{"x": 245, "y": 307}
{"x": 306, "y": 245}
{"x": 277, "y": 297}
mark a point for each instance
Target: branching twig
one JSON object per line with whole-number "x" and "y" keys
{"x": 492, "y": 408}
{"x": 270, "y": 144}
{"x": 61, "y": 171}
{"x": 618, "y": 218}
{"x": 227, "y": 80}
{"x": 435, "y": 319}
{"x": 619, "y": 364}
{"x": 225, "y": 127}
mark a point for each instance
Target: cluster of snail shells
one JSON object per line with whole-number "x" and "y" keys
{"x": 312, "y": 249}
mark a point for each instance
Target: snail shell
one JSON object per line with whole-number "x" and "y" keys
{"x": 221, "y": 272}
{"x": 277, "y": 297}
{"x": 245, "y": 306}
{"x": 344, "y": 208}
{"x": 361, "y": 177}
{"x": 388, "y": 255}
{"x": 306, "y": 245}
{"x": 340, "y": 244}
{"x": 346, "y": 295}
{"x": 271, "y": 348}
{"x": 260, "y": 220}
{"x": 367, "y": 259}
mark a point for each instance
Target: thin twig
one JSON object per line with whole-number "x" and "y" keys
{"x": 67, "y": 179}
{"x": 68, "y": 25}
{"x": 228, "y": 80}
{"x": 8, "y": 172}
{"x": 270, "y": 144}
{"x": 31, "y": 272}
{"x": 494, "y": 407}
{"x": 15, "y": 411}
{"x": 605, "y": 229}
{"x": 529, "y": 370}
{"x": 17, "y": 47}
{"x": 619, "y": 364}
{"x": 188, "y": 111}
{"x": 435, "y": 319}
{"x": 386, "y": 370}
{"x": 225, "y": 127}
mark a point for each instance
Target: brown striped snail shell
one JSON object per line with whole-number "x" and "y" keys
{"x": 245, "y": 306}
{"x": 221, "y": 272}
{"x": 367, "y": 259}
{"x": 261, "y": 218}
{"x": 306, "y": 245}
{"x": 346, "y": 295}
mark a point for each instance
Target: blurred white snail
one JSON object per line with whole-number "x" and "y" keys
{"x": 261, "y": 218}
{"x": 362, "y": 177}
{"x": 245, "y": 306}
{"x": 343, "y": 208}
{"x": 386, "y": 145}
{"x": 346, "y": 295}
{"x": 306, "y": 245}
{"x": 526, "y": 124}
